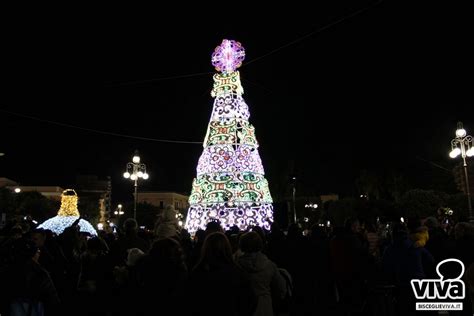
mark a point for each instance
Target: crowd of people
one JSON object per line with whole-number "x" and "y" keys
{"x": 363, "y": 268}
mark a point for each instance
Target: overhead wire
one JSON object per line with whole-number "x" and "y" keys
{"x": 299, "y": 39}
{"x": 99, "y": 131}
{"x": 188, "y": 76}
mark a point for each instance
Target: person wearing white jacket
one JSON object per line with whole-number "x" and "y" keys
{"x": 167, "y": 224}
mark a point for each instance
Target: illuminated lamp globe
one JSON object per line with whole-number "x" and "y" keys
{"x": 140, "y": 174}
{"x": 470, "y": 152}
{"x": 460, "y": 132}
{"x": 126, "y": 175}
{"x": 133, "y": 177}
{"x": 455, "y": 152}
{"x": 136, "y": 159}
{"x": 145, "y": 176}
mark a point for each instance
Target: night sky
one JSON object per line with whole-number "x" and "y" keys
{"x": 380, "y": 90}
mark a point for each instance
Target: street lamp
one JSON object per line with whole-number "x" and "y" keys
{"x": 312, "y": 206}
{"x": 463, "y": 145}
{"x": 135, "y": 170}
{"x": 119, "y": 210}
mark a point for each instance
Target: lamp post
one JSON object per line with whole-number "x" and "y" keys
{"x": 293, "y": 189}
{"x": 463, "y": 145}
{"x": 118, "y": 213}
{"x": 134, "y": 171}
{"x": 119, "y": 210}
{"x": 312, "y": 207}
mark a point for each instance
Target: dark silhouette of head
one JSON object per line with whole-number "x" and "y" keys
{"x": 259, "y": 230}
{"x": 294, "y": 231}
{"x": 167, "y": 250}
{"x": 16, "y": 232}
{"x": 25, "y": 250}
{"x": 251, "y": 242}
{"x": 413, "y": 224}
{"x": 234, "y": 230}
{"x": 97, "y": 245}
{"x": 200, "y": 236}
{"x": 130, "y": 226}
{"x": 464, "y": 230}
{"x": 38, "y": 236}
{"x": 399, "y": 233}
{"x": 371, "y": 227}
{"x": 352, "y": 225}
{"x": 432, "y": 222}
{"x": 213, "y": 226}
{"x": 185, "y": 235}
{"x": 216, "y": 251}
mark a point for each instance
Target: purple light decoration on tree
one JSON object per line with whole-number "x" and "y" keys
{"x": 228, "y": 56}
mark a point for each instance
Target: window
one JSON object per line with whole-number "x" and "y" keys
{"x": 161, "y": 204}
{"x": 176, "y": 205}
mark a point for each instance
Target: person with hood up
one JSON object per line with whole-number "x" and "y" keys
{"x": 264, "y": 275}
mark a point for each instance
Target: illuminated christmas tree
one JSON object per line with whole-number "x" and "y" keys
{"x": 230, "y": 185}
{"x": 67, "y": 215}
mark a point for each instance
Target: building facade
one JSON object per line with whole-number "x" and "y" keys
{"x": 51, "y": 192}
{"x": 162, "y": 199}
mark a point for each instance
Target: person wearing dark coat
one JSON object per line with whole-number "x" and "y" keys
{"x": 438, "y": 243}
{"x": 217, "y": 286}
{"x": 161, "y": 276}
{"x": 129, "y": 240}
{"x": 28, "y": 287}
{"x": 402, "y": 262}
{"x": 264, "y": 275}
{"x": 349, "y": 259}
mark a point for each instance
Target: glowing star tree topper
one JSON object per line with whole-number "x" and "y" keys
{"x": 230, "y": 185}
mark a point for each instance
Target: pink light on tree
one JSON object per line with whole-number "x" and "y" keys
{"x": 228, "y": 56}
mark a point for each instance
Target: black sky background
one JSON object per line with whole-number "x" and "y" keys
{"x": 380, "y": 90}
